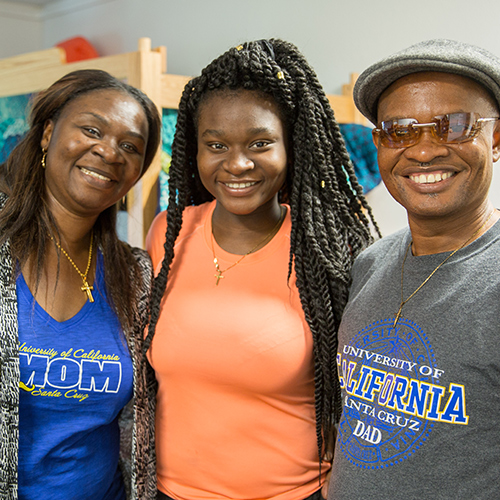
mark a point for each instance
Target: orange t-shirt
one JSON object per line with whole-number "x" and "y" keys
{"x": 235, "y": 406}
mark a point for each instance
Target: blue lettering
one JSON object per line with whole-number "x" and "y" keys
{"x": 417, "y": 398}
{"x": 398, "y": 393}
{"x": 454, "y": 410}
{"x": 375, "y": 383}
{"x": 436, "y": 394}
{"x": 365, "y": 372}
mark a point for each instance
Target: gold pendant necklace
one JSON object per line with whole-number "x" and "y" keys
{"x": 404, "y": 301}
{"x": 86, "y": 288}
{"x": 220, "y": 272}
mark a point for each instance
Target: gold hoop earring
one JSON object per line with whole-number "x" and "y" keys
{"x": 44, "y": 155}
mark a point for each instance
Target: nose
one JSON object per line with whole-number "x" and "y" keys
{"x": 428, "y": 147}
{"x": 108, "y": 151}
{"x": 238, "y": 162}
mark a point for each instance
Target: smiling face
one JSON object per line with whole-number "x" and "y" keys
{"x": 95, "y": 151}
{"x": 242, "y": 151}
{"x": 432, "y": 179}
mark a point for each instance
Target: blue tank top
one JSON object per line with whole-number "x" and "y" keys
{"x": 76, "y": 376}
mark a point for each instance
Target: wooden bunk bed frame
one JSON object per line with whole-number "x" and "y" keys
{"x": 145, "y": 69}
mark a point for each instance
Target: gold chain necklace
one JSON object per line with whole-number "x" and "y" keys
{"x": 404, "y": 301}
{"x": 220, "y": 273}
{"x": 86, "y": 288}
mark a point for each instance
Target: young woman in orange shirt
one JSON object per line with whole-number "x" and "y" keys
{"x": 252, "y": 258}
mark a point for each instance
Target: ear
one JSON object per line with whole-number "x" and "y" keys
{"x": 48, "y": 128}
{"x": 375, "y": 139}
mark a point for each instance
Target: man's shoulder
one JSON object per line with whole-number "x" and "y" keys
{"x": 384, "y": 248}
{"x": 378, "y": 258}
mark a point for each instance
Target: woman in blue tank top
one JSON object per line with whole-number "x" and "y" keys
{"x": 73, "y": 298}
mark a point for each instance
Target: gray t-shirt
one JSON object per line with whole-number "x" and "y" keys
{"x": 421, "y": 401}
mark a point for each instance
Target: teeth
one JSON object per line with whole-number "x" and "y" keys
{"x": 430, "y": 178}
{"x": 239, "y": 185}
{"x": 94, "y": 174}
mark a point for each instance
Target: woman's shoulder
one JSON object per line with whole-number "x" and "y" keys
{"x": 141, "y": 256}
{"x": 142, "y": 259}
{"x": 192, "y": 217}
{"x": 191, "y": 214}
{"x": 141, "y": 273}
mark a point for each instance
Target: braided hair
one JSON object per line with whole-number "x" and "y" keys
{"x": 329, "y": 225}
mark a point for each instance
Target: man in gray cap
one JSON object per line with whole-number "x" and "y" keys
{"x": 419, "y": 344}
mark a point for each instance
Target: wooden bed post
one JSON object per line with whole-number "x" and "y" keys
{"x": 347, "y": 90}
{"x": 145, "y": 69}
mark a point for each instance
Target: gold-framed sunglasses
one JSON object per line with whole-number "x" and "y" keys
{"x": 452, "y": 128}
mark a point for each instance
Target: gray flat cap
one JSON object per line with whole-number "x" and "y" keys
{"x": 447, "y": 56}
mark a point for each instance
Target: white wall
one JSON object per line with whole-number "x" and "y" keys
{"x": 21, "y": 28}
{"x": 337, "y": 36}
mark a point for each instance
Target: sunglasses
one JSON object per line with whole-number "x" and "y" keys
{"x": 452, "y": 128}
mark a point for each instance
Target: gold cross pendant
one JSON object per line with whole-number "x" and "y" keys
{"x": 218, "y": 276}
{"x": 88, "y": 290}
{"x": 398, "y": 315}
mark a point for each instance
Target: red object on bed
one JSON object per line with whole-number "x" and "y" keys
{"x": 78, "y": 48}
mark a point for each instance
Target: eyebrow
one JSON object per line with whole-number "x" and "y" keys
{"x": 253, "y": 131}
{"x": 106, "y": 122}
